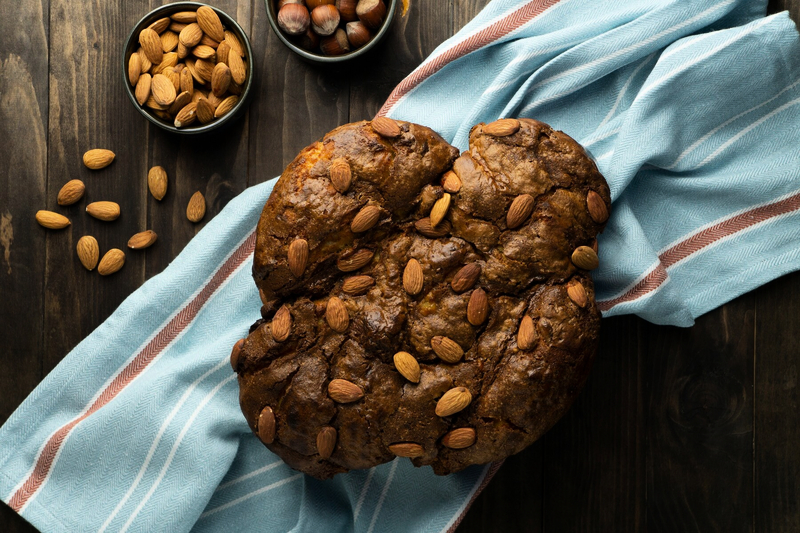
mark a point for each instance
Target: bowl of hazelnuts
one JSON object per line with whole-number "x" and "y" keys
{"x": 330, "y": 31}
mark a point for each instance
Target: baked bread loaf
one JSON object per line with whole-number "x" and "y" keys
{"x": 422, "y": 304}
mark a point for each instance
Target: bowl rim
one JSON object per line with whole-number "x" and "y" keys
{"x": 132, "y": 41}
{"x": 318, "y": 58}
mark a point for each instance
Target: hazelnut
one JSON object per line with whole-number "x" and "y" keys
{"x": 294, "y": 19}
{"x": 282, "y": 3}
{"x": 357, "y": 34}
{"x": 347, "y": 9}
{"x": 308, "y": 41}
{"x": 324, "y": 19}
{"x": 312, "y": 4}
{"x": 371, "y": 13}
{"x": 335, "y": 44}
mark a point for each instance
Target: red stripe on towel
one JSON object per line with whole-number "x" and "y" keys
{"x": 488, "y": 35}
{"x": 700, "y": 240}
{"x": 124, "y": 378}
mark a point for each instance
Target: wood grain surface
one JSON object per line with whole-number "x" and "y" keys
{"x": 677, "y": 429}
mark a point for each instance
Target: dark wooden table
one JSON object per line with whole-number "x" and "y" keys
{"x": 677, "y": 430}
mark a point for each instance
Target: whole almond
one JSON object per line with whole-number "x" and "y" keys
{"x": 478, "y": 307}
{"x": 208, "y": 41}
{"x": 209, "y": 21}
{"x": 356, "y": 285}
{"x": 281, "y": 325}
{"x": 365, "y": 219}
{"x": 181, "y": 101}
{"x": 142, "y": 91}
{"x": 326, "y": 442}
{"x": 354, "y": 261}
{"x": 266, "y": 425}
{"x": 502, "y": 127}
{"x": 146, "y": 63}
{"x": 51, "y": 220}
{"x": 455, "y": 400}
{"x": 597, "y": 207}
{"x": 142, "y": 240}
{"x": 459, "y": 438}
{"x": 408, "y": 367}
{"x": 151, "y": 45}
{"x": 157, "y": 182}
{"x": 177, "y": 27}
{"x": 197, "y": 95}
{"x": 155, "y": 106}
{"x": 98, "y": 158}
{"x": 169, "y": 41}
{"x": 343, "y": 391}
{"x": 182, "y": 51}
{"x": 214, "y": 100}
{"x": 451, "y": 182}
{"x": 222, "y": 52}
{"x": 413, "y": 278}
{"x": 106, "y": 211}
{"x": 205, "y": 69}
{"x": 526, "y": 336}
{"x": 111, "y": 262}
{"x": 184, "y": 16}
{"x": 585, "y": 258}
{"x": 236, "y": 351}
{"x": 336, "y": 315}
{"x": 238, "y": 68}
{"x": 187, "y": 115}
{"x": 577, "y": 293}
{"x": 465, "y": 278}
{"x": 340, "y": 174}
{"x": 234, "y": 43}
{"x": 88, "y": 252}
{"x": 174, "y": 76}
{"x": 191, "y": 64}
{"x": 203, "y": 51}
{"x": 297, "y": 257}
{"x": 190, "y": 35}
{"x": 226, "y": 106}
{"x": 187, "y": 82}
{"x": 196, "y": 209}
{"x": 439, "y": 209}
{"x": 447, "y": 349}
{"x": 205, "y": 111}
{"x": 521, "y": 208}
{"x": 71, "y": 192}
{"x": 386, "y": 127}
{"x": 423, "y": 226}
{"x": 163, "y": 90}
{"x": 407, "y": 449}
{"x": 169, "y": 61}
{"x": 134, "y": 68}
{"x": 160, "y": 25}
{"x": 220, "y": 79}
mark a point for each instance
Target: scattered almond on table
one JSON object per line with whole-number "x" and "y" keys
{"x": 189, "y": 68}
{"x": 87, "y": 247}
{"x": 196, "y": 209}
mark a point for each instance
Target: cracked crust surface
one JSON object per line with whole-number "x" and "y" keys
{"x": 517, "y": 394}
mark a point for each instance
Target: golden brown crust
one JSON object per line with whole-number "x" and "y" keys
{"x": 514, "y": 395}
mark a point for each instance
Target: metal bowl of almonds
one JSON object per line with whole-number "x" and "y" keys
{"x": 330, "y": 31}
{"x": 187, "y": 67}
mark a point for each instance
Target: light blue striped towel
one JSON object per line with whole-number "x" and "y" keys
{"x": 691, "y": 111}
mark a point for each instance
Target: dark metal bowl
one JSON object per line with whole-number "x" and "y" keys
{"x": 132, "y": 44}
{"x": 272, "y": 14}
